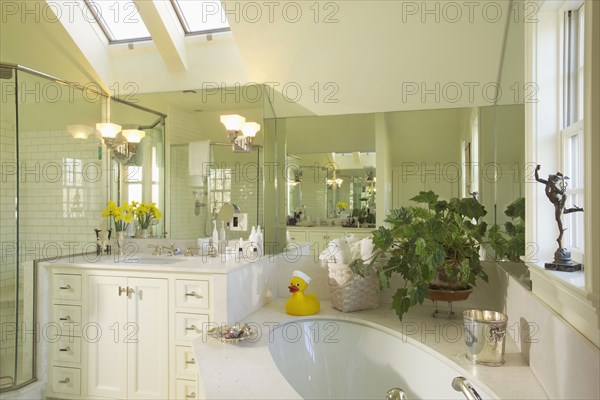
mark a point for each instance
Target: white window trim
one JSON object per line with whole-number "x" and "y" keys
{"x": 576, "y": 298}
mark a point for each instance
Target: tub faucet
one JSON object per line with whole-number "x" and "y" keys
{"x": 460, "y": 384}
{"x": 396, "y": 394}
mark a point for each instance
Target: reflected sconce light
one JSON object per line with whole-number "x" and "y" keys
{"x": 334, "y": 183}
{"x": 338, "y": 182}
{"x": 81, "y": 132}
{"x": 124, "y": 145}
{"x": 241, "y": 134}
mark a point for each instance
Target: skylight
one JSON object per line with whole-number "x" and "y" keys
{"x": 119, "y": 20}
{"x": 199, "y": 16}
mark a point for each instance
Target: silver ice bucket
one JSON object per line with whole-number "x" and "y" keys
{"x": 485, "y": 332}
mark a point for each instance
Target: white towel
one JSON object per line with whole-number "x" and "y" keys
{"x": 199, "y": 157}
{"x": 366, "y": 248}
{"x": 336, "y": 252}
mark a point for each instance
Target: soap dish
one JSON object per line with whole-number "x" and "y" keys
{"x": 231, "y": 334}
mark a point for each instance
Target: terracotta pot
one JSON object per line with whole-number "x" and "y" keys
{"x": 448, "y": 295}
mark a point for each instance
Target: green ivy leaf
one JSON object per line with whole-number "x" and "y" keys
{"x": 426, "y": 197}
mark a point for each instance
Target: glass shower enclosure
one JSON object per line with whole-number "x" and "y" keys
{"x": 56, "y": 176}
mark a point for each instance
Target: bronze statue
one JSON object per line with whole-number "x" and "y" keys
{"x": 556, "y": 188}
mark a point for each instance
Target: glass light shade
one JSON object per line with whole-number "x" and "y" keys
{"x": 233, "y": 122}
{"x": 133, "y": 135}
{"x": 108, "y": 130}
{"x": 250, "y": 128}
{"x": 79, "y": 131}
{"x": 339, "y": 181}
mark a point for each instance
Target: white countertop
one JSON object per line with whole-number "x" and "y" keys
{"x": 330, "y": 228}
{"x": 247, "y": 371}
{"x": 148, "y": 262}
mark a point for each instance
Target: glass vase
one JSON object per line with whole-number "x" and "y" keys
{"x": 120, "y": 238}
{"x": 145, "y": 233}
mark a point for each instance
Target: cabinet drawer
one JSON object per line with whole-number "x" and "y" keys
{"x": 193, "y": 294}
{"x": 185, "y": 389}
{"x": 297, "y": 237}
{"x": 67, "y": 317}
{"x": 66, "y": 287}
{"x": 185, "y": 362}
{"x": 67, "y": 349}
{"x": 189, "y": 326}
{"x": 66, "y": 380}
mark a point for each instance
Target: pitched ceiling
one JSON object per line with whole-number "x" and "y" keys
{"x": 353, "y": 57}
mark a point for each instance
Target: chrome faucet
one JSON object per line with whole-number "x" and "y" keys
{"x": 157, "y": 249}
{"x": 396, "y": 394}
{"x": 460, "y": 384}
{"x": 172, "y": 250}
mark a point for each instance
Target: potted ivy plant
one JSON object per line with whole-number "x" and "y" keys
{"x": 434, "y": 246}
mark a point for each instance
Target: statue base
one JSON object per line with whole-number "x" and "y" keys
{"x": 562, "y": 262}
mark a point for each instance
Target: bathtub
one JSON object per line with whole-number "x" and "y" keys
{"x": 351, "y": 359}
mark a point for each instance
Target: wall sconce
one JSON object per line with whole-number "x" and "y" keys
{"x": 334, "y": 183}
{"x": 123, "y": 146}
{"x": 81, "y": 132}
{"x": 241, "y": 134}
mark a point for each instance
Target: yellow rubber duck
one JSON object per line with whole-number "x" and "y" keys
{"x": 300, "y": 303}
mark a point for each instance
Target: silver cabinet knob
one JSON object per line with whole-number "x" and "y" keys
{"x": 65, "y": 349}
{"x": 191, "y": 328}
{"x": 193, "y": 294}
{"x": 122, "y": 290}
{"x": 66, "y": 380}
{"x": 67, "y": 318}
{"x": 191, "y": 395}
{"x": 192, "y": 361}
{"x": 65, "y": 287}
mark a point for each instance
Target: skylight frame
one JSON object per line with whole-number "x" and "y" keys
{"x": 186, "y": 27}
{"x": 106, "y": 30}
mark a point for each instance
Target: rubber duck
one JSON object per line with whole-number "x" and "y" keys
{"x": 300, "y": 303}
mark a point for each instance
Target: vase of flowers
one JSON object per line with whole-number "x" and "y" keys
{"x": 145, "y": 214}
{"x": 121, "y": 217}
{"x": 341, "y": 207}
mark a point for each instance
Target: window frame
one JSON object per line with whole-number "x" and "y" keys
{"x": 574, "y": 223}
{"x": 106, "y": 30}
{"x": 186, "y": 27}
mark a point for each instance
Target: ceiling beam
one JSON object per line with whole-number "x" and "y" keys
{"x": 168, "y": 36}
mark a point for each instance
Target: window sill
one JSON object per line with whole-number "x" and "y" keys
{"x": 576, "y": 280}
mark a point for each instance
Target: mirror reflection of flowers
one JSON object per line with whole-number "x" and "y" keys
{"x": 145, "y": 213}
{"x": 121, "y": 215}
{"x": 342, "y": 205}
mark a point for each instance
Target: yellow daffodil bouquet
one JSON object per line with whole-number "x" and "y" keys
{"x": 145, "y": 213}
{"x": 341, "y": 206}
{"x": 122, "y": 215}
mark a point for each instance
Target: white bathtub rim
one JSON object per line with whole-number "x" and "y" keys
{"x": 400, "y": 336}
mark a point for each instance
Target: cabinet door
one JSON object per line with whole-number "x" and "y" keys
{"x": 147, "y": 339}
{"x": 107, "y": 351}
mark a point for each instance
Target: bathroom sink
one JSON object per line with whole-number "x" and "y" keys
{"x": 152, "y": 260}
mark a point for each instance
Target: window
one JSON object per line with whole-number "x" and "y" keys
{"x": 133, "y": 183}
{"x": 201, "y": 17}
{"x": 571, "y": 134}
{"x": 119, "y": 20}
{"x": 220, "y": 185}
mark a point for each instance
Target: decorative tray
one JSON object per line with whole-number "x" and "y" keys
{"x": 232, "y": 334}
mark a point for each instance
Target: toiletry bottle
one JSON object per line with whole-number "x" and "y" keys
{"x": 259, "y": 240}
{"x": 222, "y": 235}
{"x": 215, "y": 236}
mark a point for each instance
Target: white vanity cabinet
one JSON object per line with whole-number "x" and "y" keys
{"x": 126, "y": 334}
{"x": 130, "y": 358}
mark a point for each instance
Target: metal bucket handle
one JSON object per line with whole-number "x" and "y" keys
{"x": 496, "y": 334}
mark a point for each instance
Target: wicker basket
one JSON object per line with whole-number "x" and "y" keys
{"x": 355, "y": 293}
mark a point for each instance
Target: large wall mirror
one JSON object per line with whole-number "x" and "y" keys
{"x": 137, "y": 170}
{"x": 204, "y": 171}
